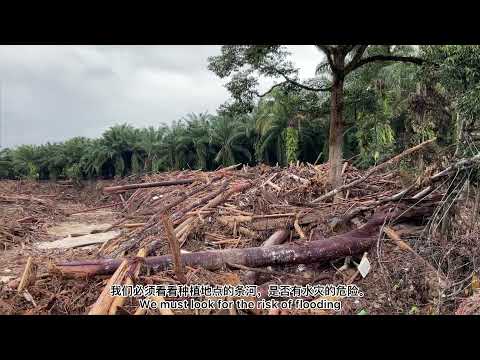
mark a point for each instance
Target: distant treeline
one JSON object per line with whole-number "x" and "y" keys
{"x": 386, "y": 107}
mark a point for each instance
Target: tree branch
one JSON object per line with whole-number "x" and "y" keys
{"x": 375, "y": 58}
{"x": 356, "y": 58}
{"x": 271, "y": 89}
{"x": 303, "y": 86}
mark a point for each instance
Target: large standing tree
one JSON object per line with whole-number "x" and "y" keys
{"x": 244, "y": 64}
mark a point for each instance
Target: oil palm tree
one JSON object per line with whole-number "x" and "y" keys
{"x": 73, "y": 151}
{"x": 274, "y": 115}
{"x": 6, "y": 164}
{"x": 197, "y": 135}
{"x": 25, "y": 161}
{"x": 228, "y": 136}
{"x": 121, "y": 143}
{"x": 96, "y": 156}
{"x": 172, "y": 150}
{"x": 150, "y": 144}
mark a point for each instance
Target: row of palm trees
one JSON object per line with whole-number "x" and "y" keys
{"x": 197, "y": 141}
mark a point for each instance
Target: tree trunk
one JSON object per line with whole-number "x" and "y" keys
{"x": 335, "y": 149}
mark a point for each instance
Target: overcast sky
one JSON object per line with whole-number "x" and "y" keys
{"x": 52, "y": 93}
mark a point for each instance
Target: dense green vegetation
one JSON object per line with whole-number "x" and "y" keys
{"x": 386, "y": 106}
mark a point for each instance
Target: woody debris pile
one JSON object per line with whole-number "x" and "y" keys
{"x": 255, "y": 226}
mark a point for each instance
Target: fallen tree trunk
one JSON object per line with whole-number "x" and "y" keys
{"x": 121, "y": 188}
{"x": 354, "y": 242}
{"x": 313, "y": 251}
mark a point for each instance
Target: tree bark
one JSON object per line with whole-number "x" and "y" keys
{"x": 295, "y": 253}
{"x": 277, "y": 238}
{"x": 335, "y": 142}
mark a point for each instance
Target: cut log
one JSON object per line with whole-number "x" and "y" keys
{"x": 393, "y": 235}
{"x": 105, "y": 300}
{"x": 28, "y": 276}
{"x": 298, "y": 229}
{"x": 127, "y": 269}
{"x": 133, "y": 225}
{"x": 186, "y": 196}
{"x": 159, "y": 300}
{"x": 121, "y": 188}
{"x": 120, "y": 300}
{"x": 174, "y": 248}
{"x": 354, "y": 242}
{"x": 270, "y": 224}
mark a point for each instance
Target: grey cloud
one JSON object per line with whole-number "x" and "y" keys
{"x": 51, "y": 93}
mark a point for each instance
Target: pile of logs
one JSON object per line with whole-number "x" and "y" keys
{"x": 231, "y": 207}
